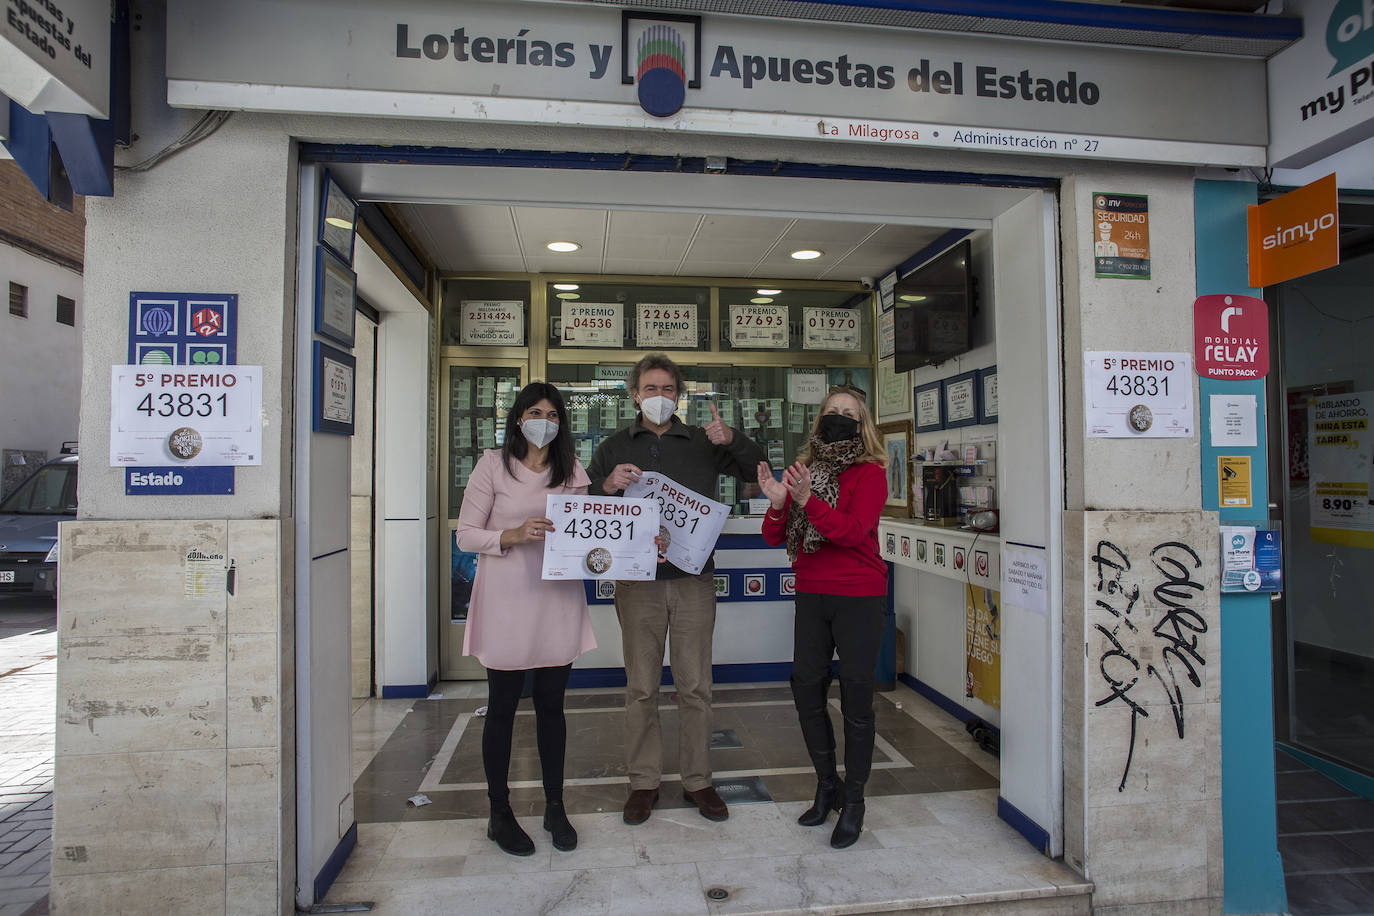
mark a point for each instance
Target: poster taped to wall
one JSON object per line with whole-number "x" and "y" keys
{"x": 983, "y": 643}
{"x": 1341, "y": 463}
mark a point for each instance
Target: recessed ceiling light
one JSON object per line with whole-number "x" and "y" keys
{"x": 807, "y": 254}
{"x": 911, "y": 298}
{"x": 566, "y": 286}
{"x": 761, "y": 300}
{"x": 339, "y": 222}
{"x": 562, "y": 246}
{"x": 767, "y": 292}
{"x": 569, "y": 295}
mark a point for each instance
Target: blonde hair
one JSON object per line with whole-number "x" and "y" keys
{"x": 868, "y": 432}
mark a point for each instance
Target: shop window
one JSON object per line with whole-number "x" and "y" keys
{"x": 795, "y": 320}
{"x": 622, "y": 316}
{"x": 486, "y": 313}
{"x": 66, "y": 311}
{"x": 19, "y": 300}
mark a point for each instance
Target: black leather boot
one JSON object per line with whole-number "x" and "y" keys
{"x": 556, "y": 823}
{"x": 810, "y": 699}
{"x": 828, "y": 792}
{"x": 507, "y": 833}
{"x": 849, "y": 824}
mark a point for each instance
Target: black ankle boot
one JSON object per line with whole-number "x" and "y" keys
{"x": 556, "y": 823}
{"x": 505, "y": 830}
{"x": 848, "y": 825}
{"x": 828, "y": 791}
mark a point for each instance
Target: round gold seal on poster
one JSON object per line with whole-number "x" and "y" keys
{"x": 598, "y": 560}
{"x": 1141, "y": 419}
{"x": 666, "y": 535}
{"x": 184, "y": 443}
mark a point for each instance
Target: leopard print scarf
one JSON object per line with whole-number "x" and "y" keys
{"x": 828, "y": 461}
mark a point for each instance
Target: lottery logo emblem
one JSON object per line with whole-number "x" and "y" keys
{"x": 157, "y": 321}
{"x": 788, "y": 584}
{"x": 207, "y": 322}
{"x": 906, "y": 546}
{"x": 958, "y": 558}
{"x": 598, "y": 560}
{"x": 980, "y": 563}
{"x": 184, "y": 443}
{"x": 753, "y": 584}
{"x": 1141, "y": 418}
{"x": 662, "y": 72}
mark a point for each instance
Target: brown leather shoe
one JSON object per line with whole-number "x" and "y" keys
{"x": 708, "y": 802}
{"x": 639, "y": 804}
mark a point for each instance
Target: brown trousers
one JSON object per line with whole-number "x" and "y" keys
{"x": 684, "y": 608}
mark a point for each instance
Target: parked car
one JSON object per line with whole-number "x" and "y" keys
{"x": 28, "y": 526}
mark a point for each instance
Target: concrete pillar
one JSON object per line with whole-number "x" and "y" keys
{"x": 175, "y": 740}
{"x": 1142, "y": 734}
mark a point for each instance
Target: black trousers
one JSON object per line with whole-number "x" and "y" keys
{"x": 852, "y": 626}
{"x": 551, "y": 731}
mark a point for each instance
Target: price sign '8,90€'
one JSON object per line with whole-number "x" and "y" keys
{"x": 1138, "y": 395}
{"x": 601, "y": 537}
{"x": 179, "y": 415}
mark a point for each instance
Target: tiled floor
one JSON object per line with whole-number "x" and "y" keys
{"x": 28, "y": 646}
{"x": 1326, "y": 838}
{"x": 932, "y": 834}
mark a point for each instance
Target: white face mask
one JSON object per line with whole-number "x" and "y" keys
{"x": 658, "y": 409}
{"x": 539, "y": 433}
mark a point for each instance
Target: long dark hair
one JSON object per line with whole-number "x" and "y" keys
{"x": 560, "y": 449}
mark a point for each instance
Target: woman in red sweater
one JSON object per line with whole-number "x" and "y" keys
{"x": 826, "y": 509}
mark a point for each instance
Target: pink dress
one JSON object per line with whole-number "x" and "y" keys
{"x": 517, "y": 620}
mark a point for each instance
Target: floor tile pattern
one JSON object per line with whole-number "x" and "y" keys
{"x": 931, "y": 837}
{"x": 1326, "y": 838}
{"x": 28, "y": 647}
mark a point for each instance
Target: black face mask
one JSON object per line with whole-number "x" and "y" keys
{"x": 835, "y": 427}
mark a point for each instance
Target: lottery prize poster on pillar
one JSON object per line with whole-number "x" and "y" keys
{"x": 1340, "y": 453}
{"x": 983, "y": 644}
{"x": 688, "y": 521}
{"x": 1131, "y": 395}
{"x": 601, "y": 537}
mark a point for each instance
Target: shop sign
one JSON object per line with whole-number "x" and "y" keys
{"x": 588, "y": 65}
{"x": 1296, "y": 234}
{"x": 56, "y": 56}
{"x": 1121, "y": 235}
{"x": 1321, "y": 87}
{"x": 1231, "y": 337}
{"x": 488, "y": 323}
{"x": 593, "y": 324}
{"x": 1340, "y": 453}
{"x": 182, "y": 416}
{"x": 666, "y": 326}
{"x": 759, "y": 327}
{"x": 1138, "y": 395}
{"x": 830, "y": 329}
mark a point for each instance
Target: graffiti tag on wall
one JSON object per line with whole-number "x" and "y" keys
{"x": 1130, "y": 640}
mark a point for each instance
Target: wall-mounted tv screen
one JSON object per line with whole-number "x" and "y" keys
{"x": 935, "y": 302}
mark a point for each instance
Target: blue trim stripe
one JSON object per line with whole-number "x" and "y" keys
{"x": 625, "y": 162}
{"x": 944, "y": 702}
{"x": 1096, "y": 15}
{"x": 404, "y": 691}
{"x": 330, "y": 872}
{"x": 744, "y": 673}
{"x": 736, "y": 581}
{"x": 1038, "y": 836}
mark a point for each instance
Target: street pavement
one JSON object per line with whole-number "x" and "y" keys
{"x": 28, "y": 686}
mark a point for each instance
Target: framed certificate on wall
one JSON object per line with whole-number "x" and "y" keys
{"x": 987, "y": 383}
{"x": 962, "y": 397}
{"x": 338, "y": 219}
{"x": 333, "y": 390}
{"x": 930, "y": 407}
{"x": 336, "y": 297}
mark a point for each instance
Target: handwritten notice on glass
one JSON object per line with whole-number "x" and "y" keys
{"x": 830, "y": 329}
{"x": 759, "y": 327}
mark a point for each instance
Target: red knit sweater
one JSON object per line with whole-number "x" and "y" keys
{"x": 847, "y": 563}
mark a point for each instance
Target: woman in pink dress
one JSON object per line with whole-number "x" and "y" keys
{"x": 518, "y": 622}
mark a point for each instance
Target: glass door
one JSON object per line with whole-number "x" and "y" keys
{"x": 476, "y": 396}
